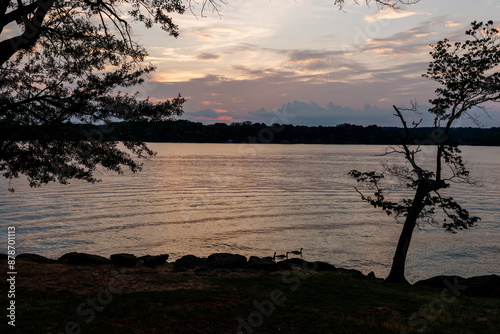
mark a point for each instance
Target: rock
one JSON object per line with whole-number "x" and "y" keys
{"x": 83, "y": 258}
{"x": 290, "y": 264}
{"x": 153, "y": 260}
{"x": 258, "y": 263}
{"x": 3, "y": 256}
{"x": 34, "y": 258}
{"x": 371, "y": 276}
{"x": 324, "y": 266}
{"x": 439, "y": 281}
{"x": 487, "y": 286}
{"x": 484, "y": 286}
{"x": 124, "y": 260}
{"x": 352, "y": 272}
{"x": 226, "y": 260}
{"x": 189, "y": 261}
{"x": 297, "y": 263}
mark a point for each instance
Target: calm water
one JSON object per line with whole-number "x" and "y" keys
{"x": 252, "y": 200}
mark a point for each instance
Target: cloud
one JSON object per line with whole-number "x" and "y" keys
{"x": 295, "y": 64}
{"x": 390, "y": 14}
{"x": 207, "y": 56}
{"x": 414, "y": 41}
{"x": 312, "y": 114}
{"x": 315, "y": 61}
{"x": 208, "y": 116}
{"x": 214, "y": 32}
{"x": 410, "y": 42}
{"x": 272, "y": 89}
{"x": 452, "y": 24}
{"x": 248, "y": 73}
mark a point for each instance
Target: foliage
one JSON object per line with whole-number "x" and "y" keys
{"x": 66, "y": 64}
{"x": 463, "y": 69}
{"x": 466, "y": 72}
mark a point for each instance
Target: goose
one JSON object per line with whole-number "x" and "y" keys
{"x": 297, "y": 252}
{"x": 280, "y": 256}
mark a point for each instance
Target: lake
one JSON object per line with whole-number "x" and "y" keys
{"x": 253, "y": 199}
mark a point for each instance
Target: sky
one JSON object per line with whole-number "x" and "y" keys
{"x": 304, "y": 62}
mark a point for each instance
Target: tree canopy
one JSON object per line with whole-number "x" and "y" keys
{"x": 66, "y": 63}
{"x": 467, "y": 72}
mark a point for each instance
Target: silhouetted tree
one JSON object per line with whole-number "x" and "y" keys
{"x": 466, "y": 72}
{"x": 63, "y": 63}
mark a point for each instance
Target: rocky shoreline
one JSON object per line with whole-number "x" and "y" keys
{"x": 483, "y": 286}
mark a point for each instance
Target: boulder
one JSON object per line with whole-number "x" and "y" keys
{"x": 289, "y": 264}
{"x": 189, "y": 261}
{"x": 258, "y": 263}
{"x": 3, "y": 256}
{"x": 124, "y": 260}
{"x": 226, "y": 260}
{"x": 83, "y": 258}
{"x": 484, "y": 286}
{"x": 324, "y": 266}
{"x": 295, "y": 263}
{"x": 34, "y": 258}
{"x": 439, "y": 281}
{"x": 487, "y": 286}
{"x": 153, "y": 260}
{"x": 352, "y": 272}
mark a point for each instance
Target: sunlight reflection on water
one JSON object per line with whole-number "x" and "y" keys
{"x": 253, "y": 200}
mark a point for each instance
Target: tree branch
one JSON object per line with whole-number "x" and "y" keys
{"x": 409, "y": 155}
{"x": 31, "y": 32}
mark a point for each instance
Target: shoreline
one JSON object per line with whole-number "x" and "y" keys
{"x": 482, "y": 285}
{"x": 83, "y": 293}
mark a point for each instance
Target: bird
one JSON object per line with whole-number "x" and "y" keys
{"x": 296, "y": 252}
{"x": 280, "y": 256}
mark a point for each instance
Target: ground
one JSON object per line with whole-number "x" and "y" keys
{"x": 62, "y": 298}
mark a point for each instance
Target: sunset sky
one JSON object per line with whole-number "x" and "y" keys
{"x": 304, "y": 62}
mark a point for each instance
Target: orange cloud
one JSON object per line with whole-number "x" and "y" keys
{"x": 210, "y": 103}
{"x": 452, "y": 24}
{"x": 389, "y": 14}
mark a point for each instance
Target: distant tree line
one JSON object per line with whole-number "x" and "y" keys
{"x": 247, "y": 132}
{"x": 185, "y": 131}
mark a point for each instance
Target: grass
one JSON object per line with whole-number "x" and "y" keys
{"x": 281, "y": 302}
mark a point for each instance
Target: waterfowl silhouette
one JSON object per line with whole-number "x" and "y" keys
{"x": 280, "y": 257}
{"x": 296, "y": 252}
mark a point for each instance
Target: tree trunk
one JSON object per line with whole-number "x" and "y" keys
{"x": 397, "y": 274}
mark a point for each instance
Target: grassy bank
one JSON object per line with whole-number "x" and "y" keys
{"x": 223, "y": 301}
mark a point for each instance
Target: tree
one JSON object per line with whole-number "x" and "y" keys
{"x": 466, "y": 72}
{"x": 63, "y": 63}
{"x": 65, "y": 66}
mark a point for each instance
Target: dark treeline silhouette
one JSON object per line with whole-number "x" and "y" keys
{"x": 247, "y": 132}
